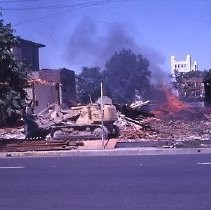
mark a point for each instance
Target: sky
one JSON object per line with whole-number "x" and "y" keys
{"x": 79, "y": 33}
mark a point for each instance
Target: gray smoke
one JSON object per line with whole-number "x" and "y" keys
{"x": 90, "y": 44}
{"x": 159, "y": 76}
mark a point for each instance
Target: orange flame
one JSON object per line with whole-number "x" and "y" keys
{"x": 172, "y": 103}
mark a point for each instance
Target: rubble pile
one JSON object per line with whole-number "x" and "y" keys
{"x": 168, "y": 119}
{"x": 12, "y": 133}
{"x": 177, "y": 123}
{"x": 134, "y": 121}
{"x": 173, "y": 121}
{"x": 186, "y": 125}
{"x": 135, "y": 129}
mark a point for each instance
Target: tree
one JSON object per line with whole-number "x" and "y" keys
{"x": 13, "y": 74}
{"x": 127, "y": 75}
{"x": 88, "y": 84}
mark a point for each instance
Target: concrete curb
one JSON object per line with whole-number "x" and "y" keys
{"x": 108, "y": 152}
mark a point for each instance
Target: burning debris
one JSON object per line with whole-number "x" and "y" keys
{"x": 171, "y": 102}
{"x": 171, "y": 120}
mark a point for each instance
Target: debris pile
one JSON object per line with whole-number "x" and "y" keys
{"x": 178, "y": 122}
{"x": 188, "y": 124}
{"x": 134, "y": 121}
{"x": 12, "y": 133}
{"x": 143, "y": 121}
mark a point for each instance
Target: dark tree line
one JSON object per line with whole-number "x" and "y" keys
{"x": 88, "y": 84}
{"x": 125, "y": 75}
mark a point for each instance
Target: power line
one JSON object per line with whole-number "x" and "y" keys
{"x": 96, "y": 3}
{"x": 58, "y": 6}
{"x": 16, "y": 1}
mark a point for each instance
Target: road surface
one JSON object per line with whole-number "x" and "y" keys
{"x": 129, "y": 182}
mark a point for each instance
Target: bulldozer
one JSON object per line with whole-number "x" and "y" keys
{"x": 76, "y": 123}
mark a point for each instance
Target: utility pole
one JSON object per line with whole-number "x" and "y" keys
{"x": 102, "y": 113}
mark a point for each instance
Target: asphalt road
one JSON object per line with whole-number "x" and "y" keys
{"x": 132, "y": 182}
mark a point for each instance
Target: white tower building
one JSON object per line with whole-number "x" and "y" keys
{"x": 182, "y": 66}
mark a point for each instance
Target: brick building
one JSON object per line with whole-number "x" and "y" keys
{"x": 52, "y": 86}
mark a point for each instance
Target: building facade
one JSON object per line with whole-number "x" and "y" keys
{"x": 182, "y": 66}
{"x": 47, "y": 86}
{"x": 52, "y": 86}
{"x": 65, "y": 80}
{"x": 189, "y": 87}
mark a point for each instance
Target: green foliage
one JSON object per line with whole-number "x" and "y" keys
{"x": 13, "y": 73}
{"x": 191, "y": 74}
{"x": 126, "y": 75}
{"x": 88, "y": 84}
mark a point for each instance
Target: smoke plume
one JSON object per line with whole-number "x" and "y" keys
{"x": 92, "y": 44}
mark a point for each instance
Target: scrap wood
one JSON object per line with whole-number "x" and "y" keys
{"x": 134, "y": 110}
{"x": 133, "y": 121}
{"x": 139, "y": 104}
{"x": 42, "y": 145}
{"x": 143, "y": 124}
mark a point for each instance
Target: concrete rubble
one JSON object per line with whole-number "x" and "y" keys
{"x": 12, "y": 133}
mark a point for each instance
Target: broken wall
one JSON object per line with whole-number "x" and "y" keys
{"x": 45, "y": 94}
{"x": 66, "y": 78}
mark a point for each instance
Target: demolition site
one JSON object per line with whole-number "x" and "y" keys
{"x": 53, "y": 121}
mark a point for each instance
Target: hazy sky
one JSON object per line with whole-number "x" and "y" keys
{"x": 87, "y": 32}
